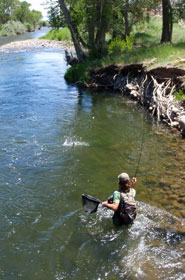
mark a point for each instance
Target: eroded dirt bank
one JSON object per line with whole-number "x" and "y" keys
{"x": 155, "y": 89}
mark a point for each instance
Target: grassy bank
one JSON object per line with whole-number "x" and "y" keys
{"x": 164, "y": 55}
{"x": 58, "y": 34}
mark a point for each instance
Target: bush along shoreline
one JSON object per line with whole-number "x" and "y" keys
{"x": 160, "y": 90}
{"x": 17, "y": 28}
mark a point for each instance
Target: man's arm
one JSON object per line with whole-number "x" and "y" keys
{"x": 113, "y": 206}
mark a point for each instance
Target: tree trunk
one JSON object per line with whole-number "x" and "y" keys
{"x": 91, "y": 32}
{"x": 79, "y": 38}
{"x": 79, "y": 52}
{"x": 101, "y": 28}
{"x": 167, "y": 22}
{"x": 91, "y": 24}
{"x": 127, "y": 31}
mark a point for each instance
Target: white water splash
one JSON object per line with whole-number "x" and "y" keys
{"x": 149, "y": 249}
{"x": 69, "y": 142}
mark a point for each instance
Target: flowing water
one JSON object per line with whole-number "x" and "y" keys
{"x": 57, "y": 142}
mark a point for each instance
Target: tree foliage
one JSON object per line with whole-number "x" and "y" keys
{"x": 92, "y": 22}
{"x": 22, "y": 12}
{"x": 6, "y": 7}
{"x": 18, "y": 11}
{"x": 179, "y": 10}
{"x": 55, "y": 16}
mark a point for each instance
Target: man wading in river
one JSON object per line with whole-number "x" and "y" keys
{"x": 122, "y": 202}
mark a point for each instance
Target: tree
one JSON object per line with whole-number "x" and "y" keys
{"x": 74, "y": 34}
{"x": 36, "y": 16}
{"x": 179, "y": 10}
{"x": 22, "y": 12}
{"x": 126, "y": 10}
{"x": 90, "y": 21}
{"x": 19, "y": 11}
{"x": 101, "y": 26}
{"x": 56, "y": 18}
{"x": 167, "y": 21}
{"x": 6, "y": 7}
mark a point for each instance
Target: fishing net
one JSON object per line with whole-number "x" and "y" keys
{"x": 90, "y": 203}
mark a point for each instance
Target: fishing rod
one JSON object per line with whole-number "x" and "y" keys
{"x": 141, "y": 149}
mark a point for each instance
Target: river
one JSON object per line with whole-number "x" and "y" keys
{"x": 45, "y": 234}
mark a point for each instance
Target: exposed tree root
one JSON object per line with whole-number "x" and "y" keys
{"x": 154, "y": 89}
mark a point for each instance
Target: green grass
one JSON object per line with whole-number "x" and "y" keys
{"x": 58, "y": 34}
{"x": 148, "y": 34}
{"x": 180, "y": 95}
{"x": 162, "y": 54}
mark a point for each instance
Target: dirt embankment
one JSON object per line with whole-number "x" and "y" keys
{"x": 155, "y": 89}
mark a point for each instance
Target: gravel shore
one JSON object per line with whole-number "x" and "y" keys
{"x": 32, "y": 43}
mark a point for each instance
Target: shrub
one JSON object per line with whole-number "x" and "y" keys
{"x": 29, "y": 27}
{"x": 180, "y": 95}
{"x": 59, "y": 37}
{"x": 78, "y": 72}
{"x": 130, "y": 42}
{"x": 81, "y": 73}
{"x": 58, "y": 34}
{"x": 3, "y": 33}
{"x": 118, "y": 45}
{"x": 13, "y": 28}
